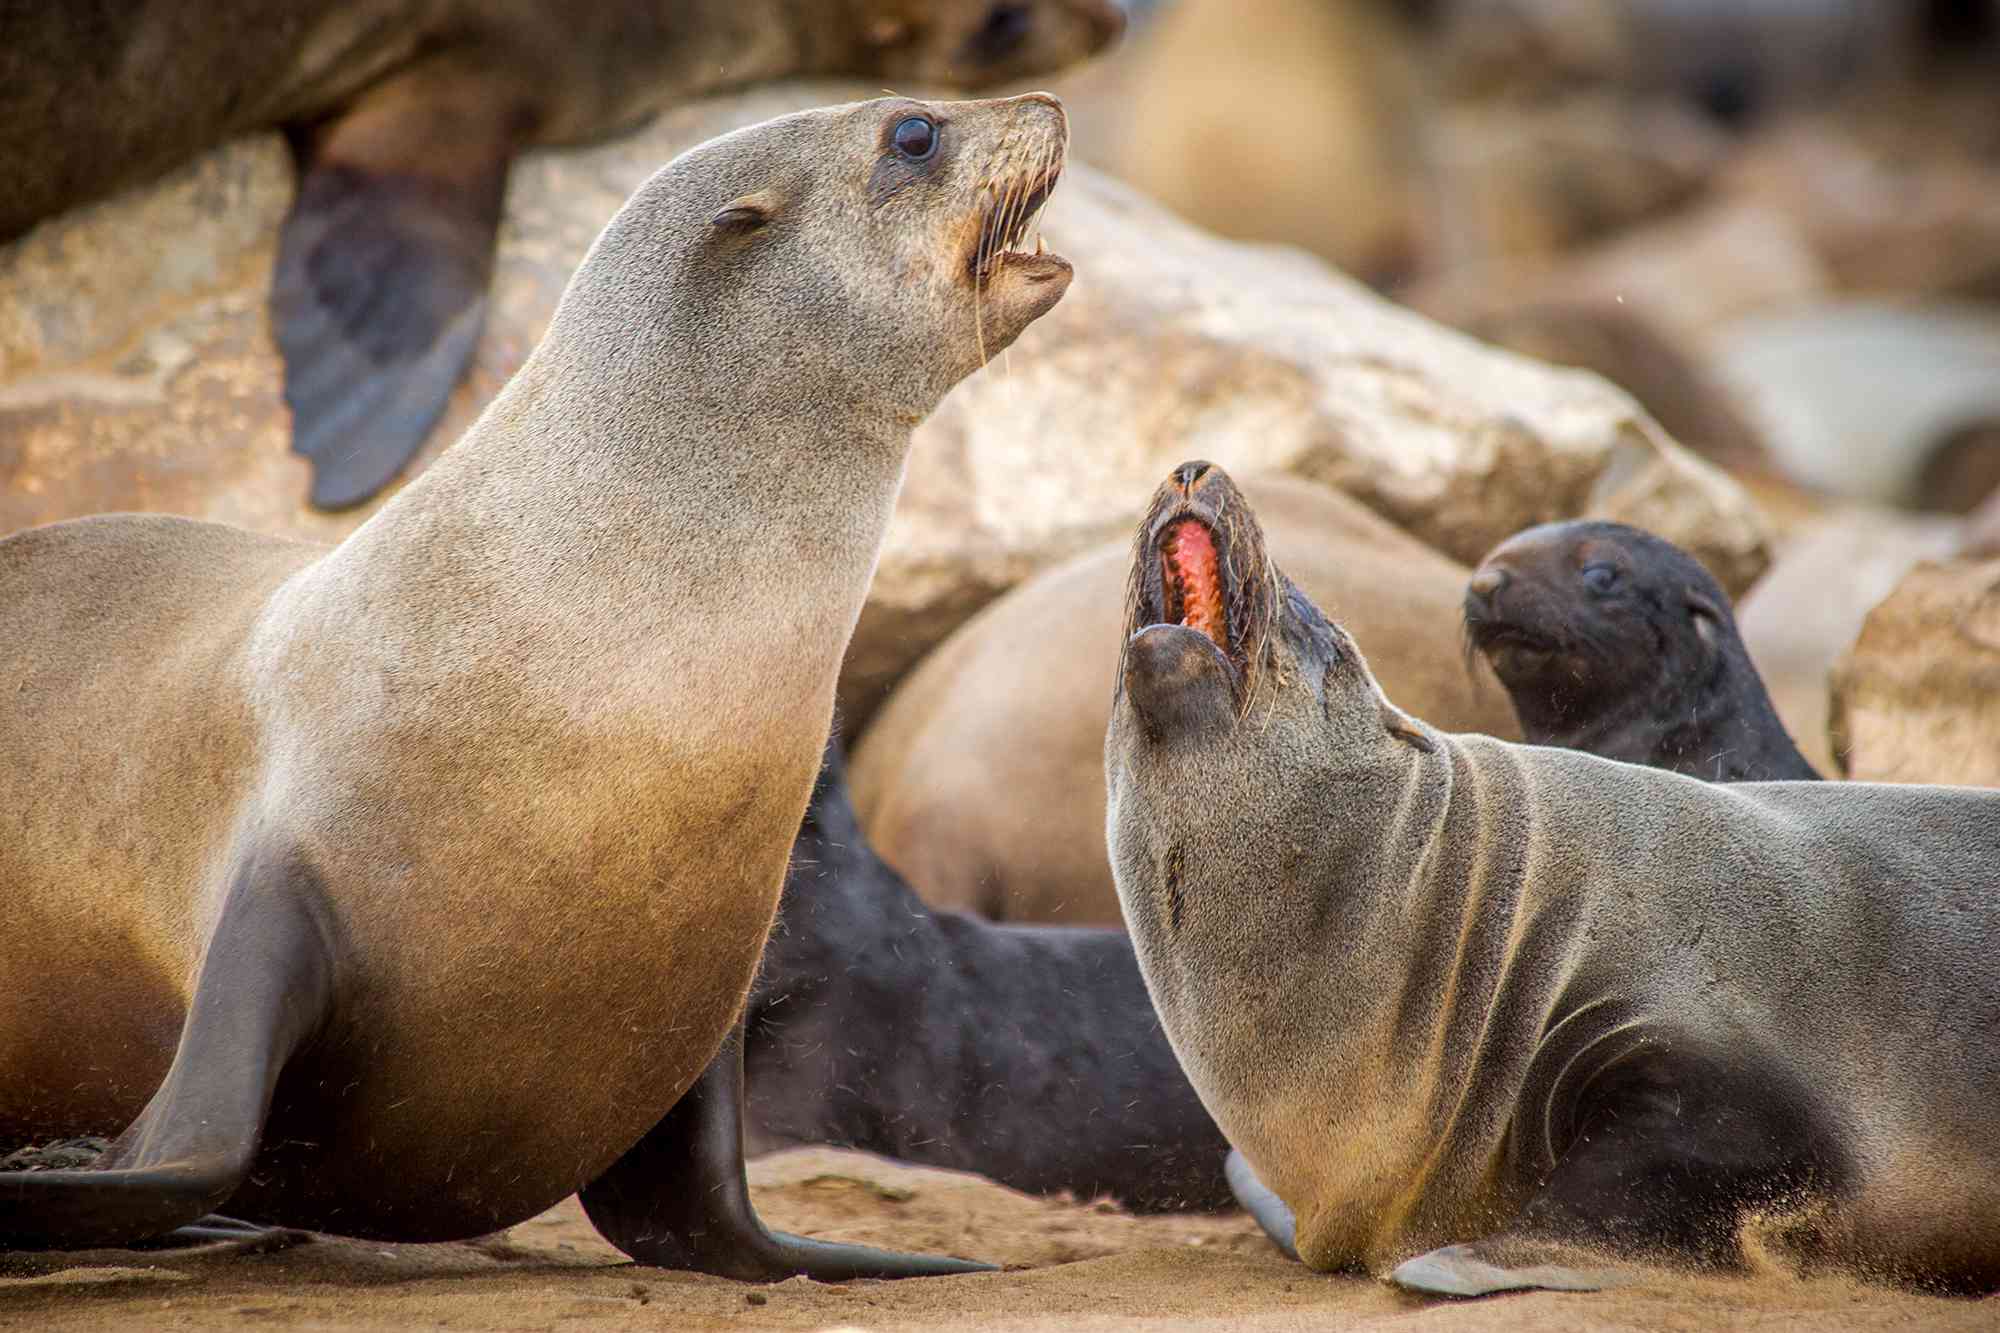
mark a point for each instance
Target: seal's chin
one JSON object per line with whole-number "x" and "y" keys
{"x": 1179, "y": 682}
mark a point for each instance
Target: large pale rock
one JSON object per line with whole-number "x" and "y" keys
{"x": 137, "y": 371}
{"x": 1889, "y": 402}
{"x": 1918, "y": 697}
{"x": 1804, "y": 614}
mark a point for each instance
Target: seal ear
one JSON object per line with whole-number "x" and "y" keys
{"x": 1707, "y": 618}
{"x": 1397, "y": 723}
{"x": 740, "y": 217}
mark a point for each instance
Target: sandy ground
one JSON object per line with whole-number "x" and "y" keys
{"x": 1068, "y": 1266}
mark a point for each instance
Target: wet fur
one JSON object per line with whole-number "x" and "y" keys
{"x": 1468, "y": 991}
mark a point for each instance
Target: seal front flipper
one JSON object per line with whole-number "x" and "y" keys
{"x": 265, "y": 986}
{"x": 1262, "y": 1203}
{"x": 679, "y": 1199}
{"x": 1672, "y": 1150}
{"x": 383, "y": 264}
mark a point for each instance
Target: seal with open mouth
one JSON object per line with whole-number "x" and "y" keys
{"x": 1488, "y": 1016}
{"x": 1617, "y": 642}
{"x": 407, "y": 887}
{"x": 981, "y": 778}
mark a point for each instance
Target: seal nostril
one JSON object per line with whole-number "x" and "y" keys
{"x": 1488, "y": 581}
{"x": 1188, "y": 475}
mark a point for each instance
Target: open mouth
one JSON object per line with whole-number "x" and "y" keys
{"x": 1194, "y": 588}
{"x": 1005, "y": 223}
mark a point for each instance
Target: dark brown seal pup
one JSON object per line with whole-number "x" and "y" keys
{"x": 982, "y": 778}
{"x": 1491, "y": 1016}
{"x": 420, "y": 882}
{"x": 1616, "y": 642}
{"x": 1028, "y": 1054}
{"x": 406, "y": 117}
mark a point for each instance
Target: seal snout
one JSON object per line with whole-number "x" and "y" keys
{"x": 1012, "y": 199}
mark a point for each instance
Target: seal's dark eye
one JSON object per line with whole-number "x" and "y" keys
{"x": 1600, "y": 576}
{"x": 915, "y": 138}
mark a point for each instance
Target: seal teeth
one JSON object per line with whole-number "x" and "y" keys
{"x": 1008, "y": 217}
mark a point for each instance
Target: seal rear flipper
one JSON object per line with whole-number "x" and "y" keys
{"x": 679, "y": 1199}
{"x": 383, "y": 264}
{"x": 1262, "y": 1203}
{"x": 1503, "y": 1263}
{"x": 265, "y": 986}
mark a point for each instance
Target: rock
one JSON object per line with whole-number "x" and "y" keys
{"x": 1917, "y": 699}
{"x": 162, "y": 391}
{"x": 1888, "y": 202}
{"x": 1887, "y": 402}
{"x": 1807, "y": 609}
{"x": 1512, "y": 182}
{"x": 1688, "y": 275}
{"x": 1642, "y": 310}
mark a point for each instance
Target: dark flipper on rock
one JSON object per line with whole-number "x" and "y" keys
{"x": 383, "y": 265}
{"x": 679, "y": 1199}
{"x": 264, "y": 988}
{"x": 1261, "y": 1203}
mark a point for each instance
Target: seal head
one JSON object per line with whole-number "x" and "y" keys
{"x": 1212, "y": 624}
{"x": 882, "y": 242}
{"x": 1612, "y": 640}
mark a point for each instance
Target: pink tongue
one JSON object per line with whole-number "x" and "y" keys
{"x": 1190, "y": 555}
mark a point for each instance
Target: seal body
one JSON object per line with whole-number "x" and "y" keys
{"x": 406, "y": 116}
{"x": 981, "y": 779}
{"x": 1491, "y": 1016}
{"x": 939, "y": 1038}
{"x": 1617, "y": 642}
{"x": 362, "y": 858}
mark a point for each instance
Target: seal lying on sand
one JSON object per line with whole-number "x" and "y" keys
{"x": 1497, "y": 1016}
{"x": 982, "y": 778}
{"x": 1028, "y": 1054}
{"x": 425, "y": 876}
{"x": 406, "y": 118}
{"x": 1616, "y": 642}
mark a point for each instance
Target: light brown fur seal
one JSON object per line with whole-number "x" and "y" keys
{"x": 406, "y": 116}
{"x": 446, "y": 855}
{"x": 1490, "y": 1016}
{"x": 982, "y": 778}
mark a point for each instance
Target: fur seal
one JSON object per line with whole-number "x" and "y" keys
{"x": 1493, "y": 1016}
{"x": 938, "y": 1038}
{"x": 982, "y": 778}
{"x": 405, "y": 118}
{"x": 420, "y": 882}
{"x": 1617, "y": 642}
